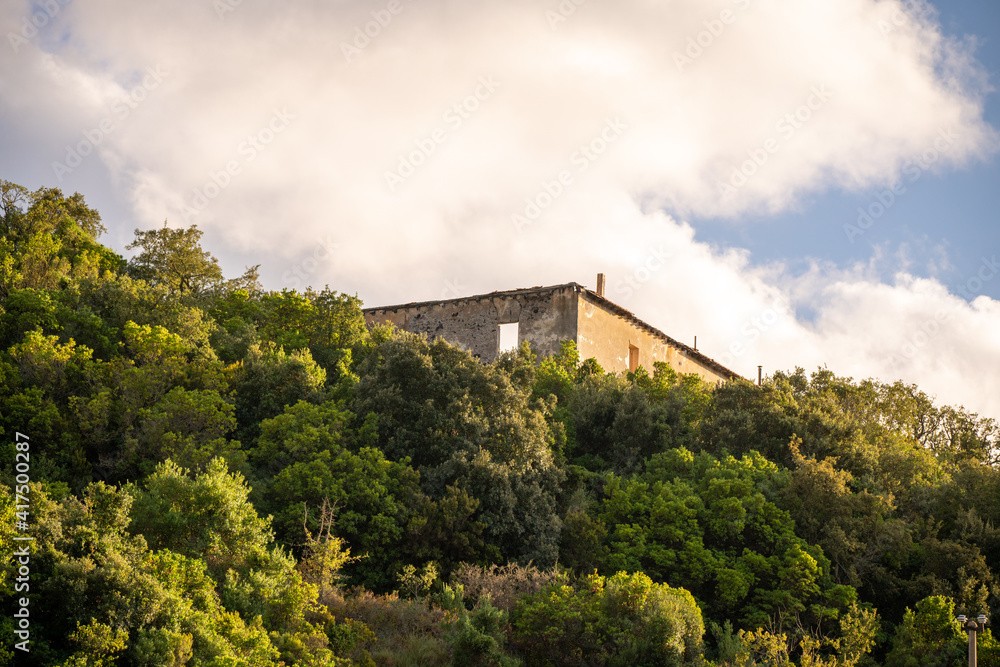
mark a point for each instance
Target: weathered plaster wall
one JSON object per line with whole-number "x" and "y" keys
{"x": 545, "y": 316}
{"x": 605, "y": 333}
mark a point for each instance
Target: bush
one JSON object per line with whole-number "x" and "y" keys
{"x": 478, "y": 638}
{"x": 406, "y": 632}
{"x": 504, "y": 585}
{"x": 623, "y": 620}
{"x": 929, "y": 637}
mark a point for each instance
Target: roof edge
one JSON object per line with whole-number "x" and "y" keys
{"x": 476, "y": 297}
{"x": 688, "y": 350}
{"x": 589, "y": 294}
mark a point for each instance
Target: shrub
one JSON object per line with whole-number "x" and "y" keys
{"x": 406, "y": 632}
{"x": 626, "y": 619}
{"x": 504, "y": 585}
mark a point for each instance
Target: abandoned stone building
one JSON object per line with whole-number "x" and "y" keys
{"x": 488, "y": 324}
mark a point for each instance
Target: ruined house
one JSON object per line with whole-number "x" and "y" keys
{"x": 488, "y": 324}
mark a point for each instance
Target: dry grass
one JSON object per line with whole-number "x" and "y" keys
{"x": 505, "y": 584}
{"x": 409, "y": 633}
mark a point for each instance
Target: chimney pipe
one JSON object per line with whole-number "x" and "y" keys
{"x": 600, "y": 284}
{"x": 760, "y": 376}
{"x": 695, "y": 343}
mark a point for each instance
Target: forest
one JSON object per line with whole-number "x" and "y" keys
{"x": 198, "y": 471}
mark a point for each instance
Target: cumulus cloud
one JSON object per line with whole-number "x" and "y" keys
{"x": 408, "y": 150}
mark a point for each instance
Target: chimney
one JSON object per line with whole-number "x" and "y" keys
{"x": 760, "y": 376}
{"x": 695, "y": 343}
{"x": 600, "y": 284}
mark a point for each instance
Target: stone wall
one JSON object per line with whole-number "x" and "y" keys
{"x": 545, "y": 316}
{"x": 605, "y": 331}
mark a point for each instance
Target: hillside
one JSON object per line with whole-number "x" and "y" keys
{"x": 199, "y": 471}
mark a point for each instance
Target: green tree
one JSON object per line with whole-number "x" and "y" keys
{"x": 626, "y": 619}
{"x": 434, "y": 400}
{"x": 477, "y": 638}
{"x": 310, "y": 455}
{"x": 26, "y": 310}
{"x": 190, "y": 427}
{"x": 708, "y": 525}
{"x": 98, "y": 591}
{"x": 174, "y": 258}
{"x": 205, "y": 516}
{"x": 464, "y": 424}
{"x": 48, "y": 239}
{"x": 618, "y": 425}
{"x": 929, "y": 636}
{"x": 268, "y": 381}
{"x": 857, "y": 530}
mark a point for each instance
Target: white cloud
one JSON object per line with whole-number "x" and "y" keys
{"x": 914, "y": 329}
{"x": 807, "y": 96}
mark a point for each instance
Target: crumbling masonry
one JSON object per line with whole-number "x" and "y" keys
{"x": 616, "y": 338}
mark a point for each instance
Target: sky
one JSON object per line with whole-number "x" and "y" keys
{"x": 799, "y": 183}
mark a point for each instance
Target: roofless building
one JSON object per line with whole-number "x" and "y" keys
{"x": 487, "y": 324}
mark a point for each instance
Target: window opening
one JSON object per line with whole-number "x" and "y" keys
{"x": 508, "y": 337}
{"x": 633, "y": 358}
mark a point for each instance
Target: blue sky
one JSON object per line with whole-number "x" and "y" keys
{"x": 407, "y": 151}
{"x": 946, "y": 222}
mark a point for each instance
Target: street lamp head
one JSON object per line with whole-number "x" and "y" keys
{"x": 982, "y": 619}
{"x": 962, "y": 619}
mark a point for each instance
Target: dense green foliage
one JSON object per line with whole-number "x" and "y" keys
{"x": 222, "y": 475}
{"x": 625, "y": 620}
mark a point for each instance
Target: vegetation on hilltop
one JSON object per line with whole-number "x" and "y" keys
{"x": 225, "y": 475}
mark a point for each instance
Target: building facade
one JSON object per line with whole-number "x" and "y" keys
{"x": 488, "y": 324}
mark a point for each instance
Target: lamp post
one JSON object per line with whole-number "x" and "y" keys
{"x": 971, "y": 627}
